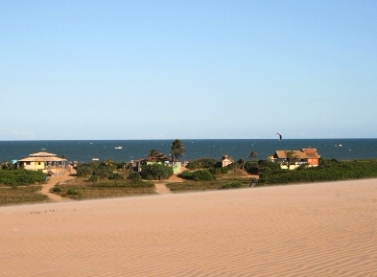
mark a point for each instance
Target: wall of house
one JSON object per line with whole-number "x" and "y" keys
{"x": 294, "y": 166}
{"x": 226, "y": 162}
{"x": 34, "y": 166}
{"x": 176, "y": 166}
{"x": 313, "y": 162}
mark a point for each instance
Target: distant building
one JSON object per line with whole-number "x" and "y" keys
{"x": 159, "y": 158}
{"x": 307, "y": 156}
{"x": 225, "y": 161}
{"x": 47, "y": 162}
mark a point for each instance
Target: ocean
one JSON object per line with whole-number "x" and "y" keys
{"x": 86, "y": 150}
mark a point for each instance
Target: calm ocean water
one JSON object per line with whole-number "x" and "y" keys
{"x": 85, "y": 150}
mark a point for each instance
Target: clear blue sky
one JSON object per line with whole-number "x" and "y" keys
{"x": 188, "y": 69}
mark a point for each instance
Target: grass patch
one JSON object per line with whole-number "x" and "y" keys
{"x": 17, "y": 195}
{"x": 81, "y": 189}
{"x": 207, "y": 185}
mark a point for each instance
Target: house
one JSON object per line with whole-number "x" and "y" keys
{"x": 225, "y": 161}
{"x": 307, "y": 156}
{"x": 45, "y": 161}
{"x": 159, "y": 158}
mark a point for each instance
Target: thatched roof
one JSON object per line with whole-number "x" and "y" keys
{"x": 159, "y": 157}
{"x": 42, "y": 154}
{"x": 42, "y": 157}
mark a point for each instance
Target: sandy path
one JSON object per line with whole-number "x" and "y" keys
{"x": 53, "y": 180}
{"x": 161, "y": 187}
{"x": 327, "y": 229}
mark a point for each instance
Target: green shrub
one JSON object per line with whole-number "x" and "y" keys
{"x": 232, "y": 185}
{"x": 252, "y": 167}
{"x": 73, "y": 192}
{"x": 203, "y": 175}
{"x": 22, "y": 177}
{"x": 102, "y": 170}
{"x": 220, "y": 170}
{"x": 156, "y": 172}
{"x": 56, "y": 189}
{"x": 188, "y": 175}
{"x": 84, "y": 170}
{"x": 202, "y": 163}
{"x": 330, "y": 170}
{"x": 116, "y": 176}
{"x": 134, "y": 176}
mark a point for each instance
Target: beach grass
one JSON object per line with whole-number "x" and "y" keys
{"x": 188, "y": 186}
{"x": 79, "y": 189}
{"x": 17, "y": 195}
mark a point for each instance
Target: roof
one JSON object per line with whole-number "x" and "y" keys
{"x": 304, "y": 153}
{"x": 42, "y": 157}
{"x": 158, "y": 158}
{"x": 42, "y": 154}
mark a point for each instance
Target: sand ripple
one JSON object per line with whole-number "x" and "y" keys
{"x": 327, "y": 229}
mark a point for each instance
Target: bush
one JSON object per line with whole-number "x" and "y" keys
{"x": 116, "y": 176}
{"x": 202, "y": 163}
{"x": 203, "y": 175}
{"x": 22, "y": 177}
{"x": 134, "y": 176}
{"x": 188, "y": 175}
{"x": 156, "y": 172}
{"x": 102, "y": 170}
{"x": 252, "y": 167}
{"x": 220, "y": 170}
{"x": 56, "y": 189}
{"x": 232, "y": 185}
{"x": 329, "y": 171}
{"x": 72, "y": 192}
{"x": 84, "y": 170}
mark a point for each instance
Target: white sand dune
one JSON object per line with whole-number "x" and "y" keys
{"x": 326, "y": 229}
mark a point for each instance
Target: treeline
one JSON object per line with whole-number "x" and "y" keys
{"x": 328, "y": 170}
{"x": 96, "y": 171}
{"x": 21, "y": 177}
{"x": 205, "y": 169}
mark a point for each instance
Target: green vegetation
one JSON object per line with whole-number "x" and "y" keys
{"x": 252, "y": 155}
{"x": 198, "y": 175}
{"x": 329, "y": 170}
{"x": 82, "y": 189}
{"x": 17, "y": 195}
{"x": 252, "y": 167}
{"x": 177, "y": 149}
{"x": 97, "y": 169}
{"x": 208, "y": 185}
{"x": 21, "y": 177}
{"x": 202, "y": 175}
{"x": 232, "y": 185}
{"x": 207, "y": 169}
{"x": 156, "y": 172}
{"x": 135, "y": 176}
{"x": 99, "y": 180}
{"x": 202, "y": 163}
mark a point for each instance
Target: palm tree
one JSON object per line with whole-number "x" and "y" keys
{"x": 153, "y": 153}
{"x": 177, "y": 149}
{"x": 252, "y": 155}
{"x": 291, "y": 157}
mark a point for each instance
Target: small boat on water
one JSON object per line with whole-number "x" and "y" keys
{"x": 118, "y": 147}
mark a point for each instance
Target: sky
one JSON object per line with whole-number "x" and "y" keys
{"x": 160, "y": 69}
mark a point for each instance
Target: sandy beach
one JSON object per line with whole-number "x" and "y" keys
{"x": 323, "y": 229}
